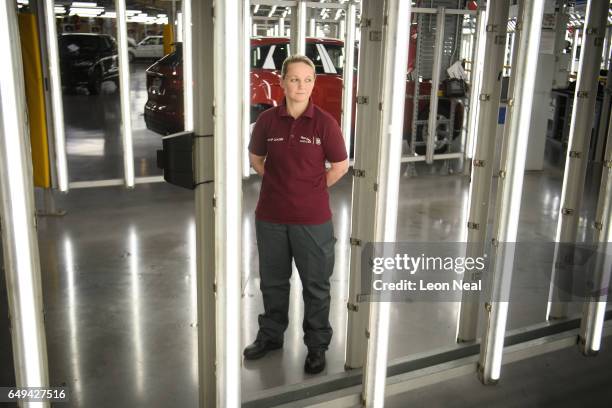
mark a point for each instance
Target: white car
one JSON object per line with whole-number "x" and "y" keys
{"x": 150, "y": 47}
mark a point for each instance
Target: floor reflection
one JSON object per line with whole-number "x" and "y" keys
{"x": 93, "y": 131}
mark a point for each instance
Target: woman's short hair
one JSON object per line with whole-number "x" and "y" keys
{"x": 292, "y": 60}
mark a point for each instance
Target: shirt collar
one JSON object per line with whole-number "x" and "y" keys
{"x": 309, "y": 112}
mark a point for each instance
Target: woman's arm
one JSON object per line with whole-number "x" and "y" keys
{"x": 336, "y": 172}
{"x": 257, "y": 162}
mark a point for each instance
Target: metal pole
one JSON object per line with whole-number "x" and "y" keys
{"x": 281, "y": 25}
{"x": 511, "y": 185}
{"x": 245, "y": 70}
{"x": 475, "y": 83}
{"x": 204, "y": 195}
{"x": 298, "y": 28}
{"x": 365, "y": 176}
{"x": 228, "y": 200}
{"x": 187, "y": 65}
{"x": 432, "y": 122}
{"x": 591, "y": 327}
{"x": 124, "y": 90}
{"x": 578, "y": 145}
{"x": 480, "y": 187}
{"x": 396, "y": 35}
{"x": 347, "y": 75}
{"x": 606, "y": 108}
{"x": 55, "y": 86}
{"x": 19, "y": 239}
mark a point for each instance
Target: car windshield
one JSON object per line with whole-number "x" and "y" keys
{"x": 336, "y": 54}
{"x": 77, "y": 44}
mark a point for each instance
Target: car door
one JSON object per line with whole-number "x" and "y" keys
{"x": 157, "y": 50}
{"x": 327, "y": 92}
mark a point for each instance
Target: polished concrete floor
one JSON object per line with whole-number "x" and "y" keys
{"x": 119, "y": 271}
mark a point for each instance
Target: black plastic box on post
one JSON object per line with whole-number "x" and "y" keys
{"x": 176, "y": 159}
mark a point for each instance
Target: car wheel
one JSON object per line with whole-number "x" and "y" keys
{"x": 95, "y": 82}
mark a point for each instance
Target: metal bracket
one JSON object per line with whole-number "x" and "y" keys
{"x": 365, "y": 22}
{"x": 582, "y": 94}
{"x": 355, "y": 241}
{"x": 511, "y": 102}
{"x": 473, "y": 225}
{"x": 488, "y": 306}
{"x": 575, "y": 154}
{"x": 494, "y": 242}
{"x": 478, "y": 163}
{"x": 367, "y": 333}
{"x": 375, "y": 186}
{"x": 352, "y": 307}
{"x": 502, "y": 174}
{"x": 598, "y": 225}
{"x": 484, "y": 97}
{"x": 491, "y": 28}
{"x": 375, "y": 36}
{"x": 358, "y": 173}
{"x": 362, "y": 100}
{"x": 380, "y": 106}
{"x": 567, "y": 211}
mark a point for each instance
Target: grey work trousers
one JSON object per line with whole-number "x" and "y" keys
{"x": 312, "y": 248}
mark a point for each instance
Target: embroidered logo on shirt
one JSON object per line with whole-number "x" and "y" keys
{"x": 304, "y": 139}
{"x": 317, "y": 141}
{"x": 275, "y": 139}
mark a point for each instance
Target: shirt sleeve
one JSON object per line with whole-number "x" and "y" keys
{"x": 258, "y": 144}
{"x": 333, "y": 143}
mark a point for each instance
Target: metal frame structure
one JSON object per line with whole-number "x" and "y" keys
{"x": 365, "y": 176}
{"x": 245, "y": 70}
{"x": 482, "y": 171}
{"x": 124, "y": 94}
{"x": 477, "y": 68}
{"x": 204, "y": 195}
{"x": 187, "y": 65}
{"x": 347, "y": 75}
{"x": 395, "y": 38}
{"x": 430, "y": 156}
{"x": 510, "y": 188}
{"x": 228, "y": 200}
{"x": 57, "y": 107}
{"x": 591, "y": 328}
{"x": 18, "y": 215}
{"x": 578, "y": 145}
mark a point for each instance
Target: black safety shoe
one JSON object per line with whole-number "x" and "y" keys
{"x": 260, "y": 348}
{"x": 315, "y": 361}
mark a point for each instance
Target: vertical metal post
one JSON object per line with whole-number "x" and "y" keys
{"x": 281, "y": 25}
{"x": 228, "y": 200}
{"x": 606, "y": 110}
{"x": 511, "y": 185}
{"x": 480, "y": 187}
{"x": 245, "y": 70}
{"x": 365, "y": 176}
{"x": 55, "y": 86}
{"x": 578, "y": 144}
{"x": 187, "y": 65}
{"x": 20, "y": 242}
{"x": 475, "y": 83}
{"x": 298, "y": 28}
{"x": 575, "y": 50}
{"x": 396, "y": 34}
{"x": 347, "y": 75}
{"x": 124, "y": 90}
{"x": 312, "y": 27}
{"x": 204, "y": 195}
{"x": 432, "y": 122}
{"x": 591, "y": 327}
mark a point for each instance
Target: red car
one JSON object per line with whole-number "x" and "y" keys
{"x": 164, "y": 107}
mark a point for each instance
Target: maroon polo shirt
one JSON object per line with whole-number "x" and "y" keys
{"x": 294, "y": 186}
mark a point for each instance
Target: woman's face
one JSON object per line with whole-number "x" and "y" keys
{"x": 298, "y": 82}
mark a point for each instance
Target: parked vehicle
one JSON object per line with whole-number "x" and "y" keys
{"x": 87, "y": 60}
{"x": 150, "y": 47}
{"x": 164, "y": 107}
